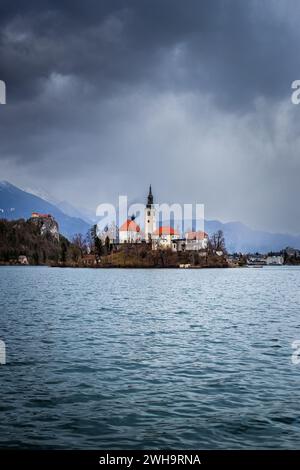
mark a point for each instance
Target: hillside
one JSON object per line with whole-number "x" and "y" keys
{"x": 20, "y": 237}
{"x": 18, "y": 204}
{"x": 142, "y": 256}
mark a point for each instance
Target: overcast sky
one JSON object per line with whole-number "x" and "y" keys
{"x": 106, "y": 96}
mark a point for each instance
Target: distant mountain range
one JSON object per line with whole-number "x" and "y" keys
{"x": 16, "y": 203}
{"x": 241, "y": 239}
{"x": 64, "y": 206}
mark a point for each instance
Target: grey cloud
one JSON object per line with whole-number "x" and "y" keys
{"x": 233, "y": 49}
{"x": 194, "y": 97}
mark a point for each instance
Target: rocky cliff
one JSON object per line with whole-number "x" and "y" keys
{"x": 46, "y": 224}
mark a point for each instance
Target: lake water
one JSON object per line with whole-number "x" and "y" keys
{"x": 159, "y": 359}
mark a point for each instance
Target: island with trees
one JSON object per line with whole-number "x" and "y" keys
{"x": 36, "y": 242}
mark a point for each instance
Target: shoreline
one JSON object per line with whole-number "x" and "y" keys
{"x": 115, "y": 267}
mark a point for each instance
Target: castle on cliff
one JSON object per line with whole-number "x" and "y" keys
{"x": 46, "y": 224}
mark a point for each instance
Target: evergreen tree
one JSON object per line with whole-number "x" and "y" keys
{"x": 63, "y": 255}
{"x": 107, "y": 244}
{"x": 98, "y": 247}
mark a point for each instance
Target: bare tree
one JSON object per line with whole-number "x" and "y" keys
{"x": 217, "y": 242}
{"x": 90, "y": 240}
{"x": 79, "y": 241}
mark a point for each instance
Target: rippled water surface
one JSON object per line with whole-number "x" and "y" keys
{"x": 137, "y": 359}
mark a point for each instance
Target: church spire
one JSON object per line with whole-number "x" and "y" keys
{"x": 150, "y": 198}
{"x": 150, "y": 219}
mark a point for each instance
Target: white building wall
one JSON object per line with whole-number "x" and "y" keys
{"x": 278, "y": 260}
{"x": 128, "y": 236}
{"x": 163, "y": 241}
{"x": 150, "y": 222}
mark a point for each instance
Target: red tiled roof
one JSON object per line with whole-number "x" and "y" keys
{"x": 37, "y": 214}
{"x": 165, "y": 231}
{"x": 130, "y": 226}
{"x": 196, "y": 235}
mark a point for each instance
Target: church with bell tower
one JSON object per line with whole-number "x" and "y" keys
{"x": 150, "y": 220}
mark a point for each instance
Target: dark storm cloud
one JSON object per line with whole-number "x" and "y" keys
{"x": 125, "y": 91}
{"x": 236, "y": 50}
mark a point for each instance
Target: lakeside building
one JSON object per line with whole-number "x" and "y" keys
{"x": 161, "y": 237}
{"x": 22, "y": 259}
{"x": 263, "y": 260}
{"x": 256, "y": 260}
{"x": 275, "y": 260}
{"x": 89, "y": 260}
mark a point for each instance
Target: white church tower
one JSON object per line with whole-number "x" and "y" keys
{"x": 150, "y": 221}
